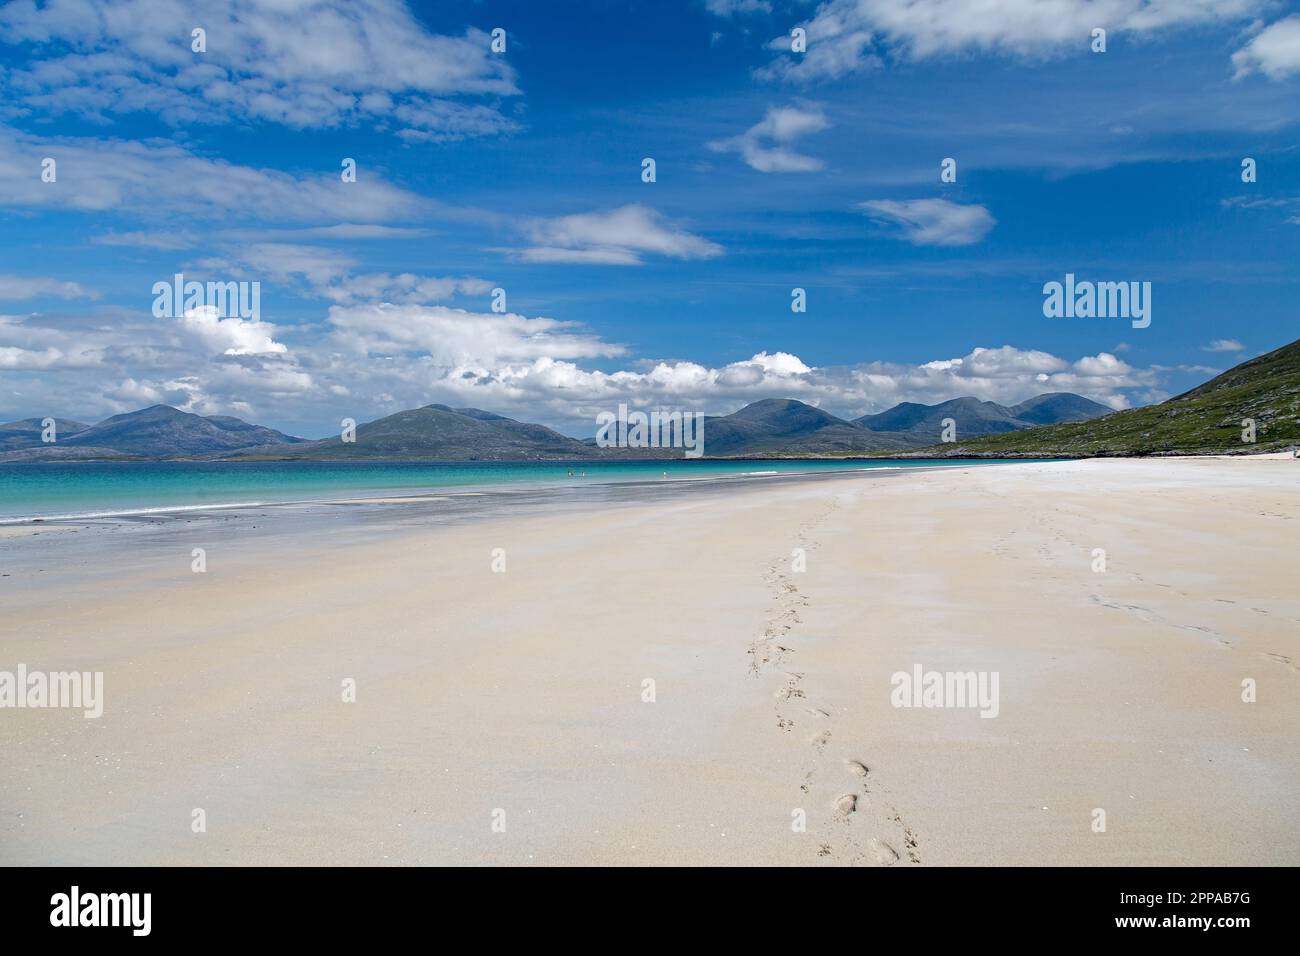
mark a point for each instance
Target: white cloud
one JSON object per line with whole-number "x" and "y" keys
{"x": 120, "y": 360}
{"x": 1224, "y": 345}
{"x": 232, "y": 335}
{"x": 456, "y": 337}
{"x": 404, "y": 288}
{"x": 841, "y": 32}
{"x": 1007, "y": 375}
{"x": 780, "y": 363}
{"x": 342, "y": 230}
{"x": 171, "y": 240}
{"x": 934, "y": 222}
{"x": 1274, "y": 51}
{"x": 16, "y": 359}
{"x": 14, "y": 288}
{"x": 283, "y": 261}
{"x": 152, "y": 179}
{"x": 556, "y": 390}
{"x": 764, "y": 145}
{"x": 600, "y": 256}
{"x": 328, "y": 273}
{"x": 145, "y": 239}
{"x": 614, "y": 237}
{"x": 29, "y": 345}
{"x": 837, "y": 45}
{"x": 440, "y": 121}
{"x": 309, "y": 63}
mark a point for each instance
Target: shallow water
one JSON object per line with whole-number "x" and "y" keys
{"x": 107, "y": 489}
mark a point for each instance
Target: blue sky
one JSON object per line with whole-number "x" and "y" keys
{"x": 522, "y": 171}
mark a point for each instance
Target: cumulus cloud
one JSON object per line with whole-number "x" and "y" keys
{"x": 619, "y": 236}
{"x": 842, "y": 33}
{"x": 16, "y": 359}
{"x": 1274, "y": 51}
{"x": 362, "y": 61}
{"x": 29, "y": 345}
{"x": 765, "y": 145}
{"x": 934, "y": 222}
{"x": 231, "y": 335}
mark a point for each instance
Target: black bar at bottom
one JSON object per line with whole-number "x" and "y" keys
{"x": 333, "y": 906}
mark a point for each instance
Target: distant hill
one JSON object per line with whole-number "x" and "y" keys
{"x": 924, "y": 423}
{"x": 1053, "y": 408}
{"x": 764, "y": 429}
{"x": 784, "y": 426}
{"x": 1206, "y": 419}
{"x": 157, "y": 432}
{"x": 27, "y": 433}
{"x": 437, "y": 432}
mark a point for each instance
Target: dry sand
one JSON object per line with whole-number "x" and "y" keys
{"x": 522, "y": 692}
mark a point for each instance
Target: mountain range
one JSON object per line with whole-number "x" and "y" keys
{"x": 1262, "y": 393}
{"x": 767, "y": 428}
{"x": 973, "y": 417}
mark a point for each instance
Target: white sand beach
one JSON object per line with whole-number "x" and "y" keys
{"x": 517, "y": 697}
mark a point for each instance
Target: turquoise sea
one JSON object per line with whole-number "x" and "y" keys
{"x": 118, "y": 488}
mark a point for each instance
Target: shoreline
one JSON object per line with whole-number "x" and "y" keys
{"x": 437, "y": 493}
{"x": 395, "y": 495}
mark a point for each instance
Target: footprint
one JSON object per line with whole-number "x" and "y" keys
{"x": 856, "y": 768}
{"x": 910, "y": 842}
{"x": 885, "y": 854}
{"x": 820, "y": 740}
{"x": 846, "y": 803}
